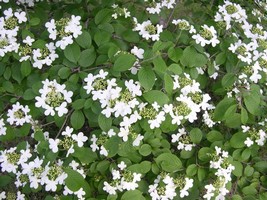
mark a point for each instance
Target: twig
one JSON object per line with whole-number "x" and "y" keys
{"x": 66, "y": 119}
{"x": 171, "y": 14}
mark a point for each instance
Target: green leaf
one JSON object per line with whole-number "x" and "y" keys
{"x": 29, "y": 95}
{"x": 214, "y": 135}
{"x": 175, "y": 53}
{"x": 245, "y": 154}
{"x": 203, "y": 154}
{"x": 191, "y": 58}
{"x": 228, "y": 80}
{"x": 124, "y": 62}
{"x": 87, "y": 57}
{"x": 113, "y": 145}
{"x": 39, "y": 136}
{"x": 156, "y": 96}
{"x": 220, "y": 58}
{"x": 103, "y": 16}
{"x": 201, "y": 174}
{"x": 238, "y": 139}
{"x": 249, "y": 190}
{"x": 130, "y": 36}
{"x": 104, "y": 122}
{"x": 141, "y": 168}
{"x": 77, "y": 119}
{"x": 78, "y": 104}
{"x": 5, "y": 180}
{"x": 25, "y": 68}
{"x": 85, "y": 155}
{"x": 168, "y": 83}
{"x": 237, "y": 197}
{"x": 8, "y": 86}
{"x": 244, "y": 115}
{"x": 132, "y": 195}
{"x": 75, "y": 180}
{"x": 176, "y": 69}
{"x": 146, "y": 77}
{"x": 233, "y": 121}
{"x": 34, "y": 21}
{"x": 160, "y": 66}
{"x": 169, "y": 162}
{"x": 72, "y": 52}
{"x": 238, "y": 171}
{"x": 145, "y": 150}
{"x": 195, "y": 135}
{"x": 84, "y": 40}
{"x": 261, "y": 166}
{"x": 248, "y": 171}
{"x": 252, "y": 101}
{"x": 64, "y": 72}
{"x": 191, "y": 170}
{"x": 221, "y": 108}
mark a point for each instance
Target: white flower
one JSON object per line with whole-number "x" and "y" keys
{"x": 18, "y": 115}
{"x": 138, "y": 140}
{"x": 139, "y": 53}
{"x": 28, "y": 40}
{"x": 53, "y": 98}
{"x": 53, "y": 144}
{"x": 72, "y": 29}
{"x": 122, "y": 165}
{"x": 148, "y": 31}
{"x": 207, "y": 35}
{"x": 154, "y": 10}
{"x": 2, "y": 127}
{"x": 80, "y": 138}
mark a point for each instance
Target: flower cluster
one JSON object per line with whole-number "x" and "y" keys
{"x": 223, "y": 172}
{"x": 54, "y": 98}
{"x": 156, "y": 7}
{"x": 18, "y": 115}
{"x": 122, "y": 179}
{"x": 207, "y": 35}
{"x": 230, "y": 13}
{"x": 183, "y": 140}
{"x": 63, "y": 31}
{"x": 164, "y": 187}
{"x": 69, "y": 141}
{"x": 147, "y": 30}
{"x": 190, "y": 102}
{"x": 257, "y": 136}
{"x": 120, "y": 12}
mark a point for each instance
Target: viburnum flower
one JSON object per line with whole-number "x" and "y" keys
{"x": 10, "y": 159}
{"x": 54, "y": 98}
{"x": 33, "y": 170}
{"x": 65, "y": 29}
{"x": 18, "y": 115}
{"x": 183, "y": 24}
{"x": 29, "y": 3}
{"x": 183, "y": 139}
{"x": 230, "y": 12}
{"x": 123, "y": 179}
{"x": 8, "y": 44}
{"x": 2, "y": 127}
{"x": 9, "y": 24}
{"x": 80, "y": 138}
{"x": 207, "y": 35}
{"x": 138, "y": 52}
{"x": 44, "y": 56}
{"x": 149, "y": 31}
{"x": 163, "y": 187}
{"x": 118, "y": 12}
{"x": 53, "y": 175}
